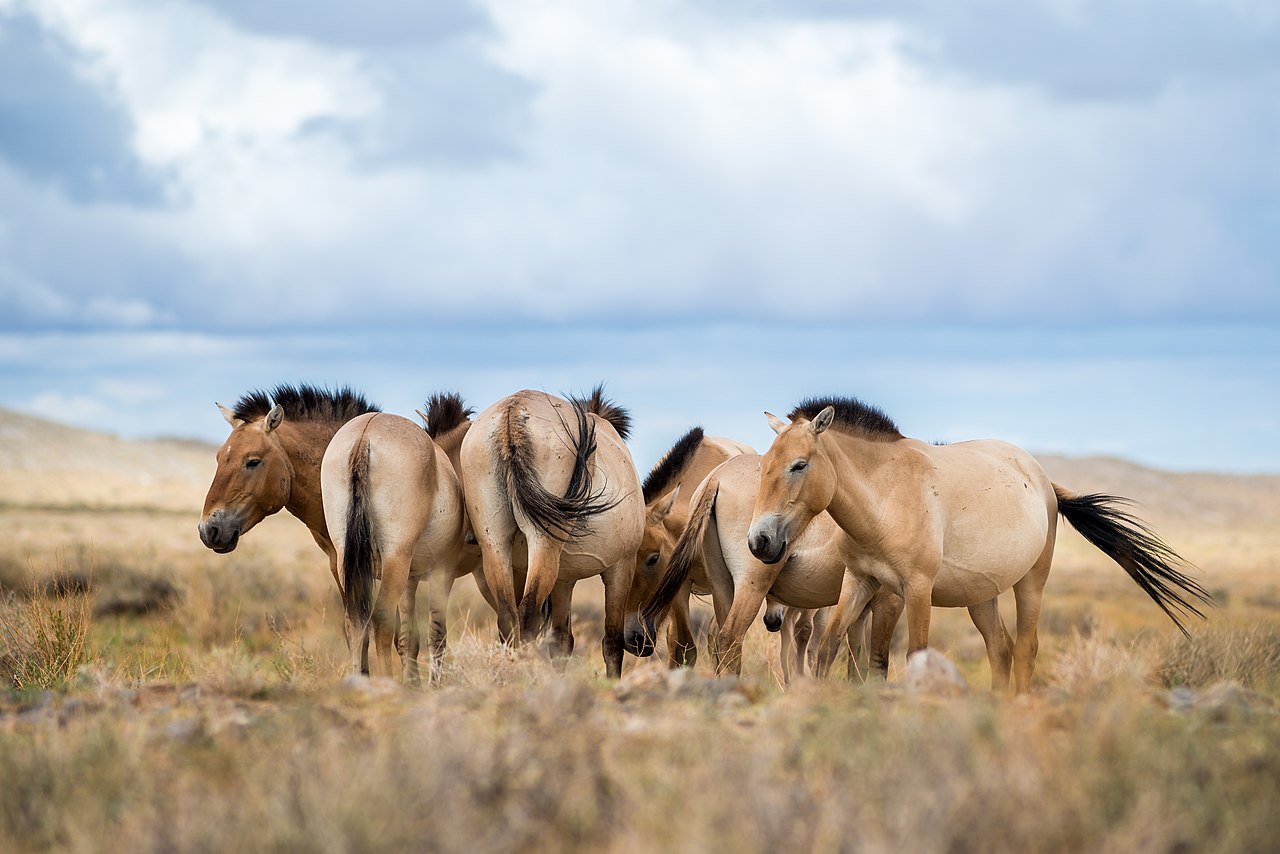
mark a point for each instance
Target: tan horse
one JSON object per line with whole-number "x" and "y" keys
{"x": 271, "y": 461}
{"x": 394, "y": 509}
{"x": 550, "y": 485}
{"x": 667, "y": 490}
{"x": 813, "y": 577}
{"x": 952, "y": 525}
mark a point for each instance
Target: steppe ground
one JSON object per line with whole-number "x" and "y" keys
{"x": 162, "y": 697}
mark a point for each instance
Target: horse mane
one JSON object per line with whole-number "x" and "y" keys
{"x": 304, "y": 403}
{"x": 446, "y": 410}
{"x": 852, "y": 416}
{"x": 606, "y": 409}
{"x": 673, "y": 462}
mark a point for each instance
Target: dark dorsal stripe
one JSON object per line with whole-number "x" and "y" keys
{"x": 666, "y": 473}
{"x": 304, "y": 403}
{"x": 852, "y": 415}
{"x": 445, "y": 410}
{"x": 605, "y": 408}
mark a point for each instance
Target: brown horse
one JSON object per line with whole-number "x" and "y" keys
{"x": 394, "y": 508}
{"x": 666, "y": 497}
{"x": 271, "y": 461}
{"x": 550, "y": 485}
{"x": 951, "y": 525}
{"x": 814, "y": 577}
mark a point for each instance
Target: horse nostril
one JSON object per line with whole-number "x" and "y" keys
{"x": 211, "y": 533}
{"x": 759, "y": 544}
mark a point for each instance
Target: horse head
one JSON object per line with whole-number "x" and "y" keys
{"x": 253, "y": 480}
{"x": 797, "y": 482}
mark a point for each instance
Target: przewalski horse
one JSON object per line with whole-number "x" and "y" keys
{"x": 394, "y": 509}
{"x": 716, "y": 538}
{"x": 667, "y": 490}
{"x": 952, "y": 525}
{"x": 550, "y": 485}
{"x": 271, "y": 461}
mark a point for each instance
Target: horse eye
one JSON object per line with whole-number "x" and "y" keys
{"x": 252, "y": 464}
{"x": 799, "y": 465}
{"x": 653, "y": 559}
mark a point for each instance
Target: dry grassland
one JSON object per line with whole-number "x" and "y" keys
{"x": 162, "y": 697}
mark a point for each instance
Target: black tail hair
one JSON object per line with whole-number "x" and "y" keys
{"x": 608, "y": 410}
{"x": 1139, "y": 551}
{"x": 360, "y": 552}
{"x": 559, "y": 517}
{"x": 687, "y": 552}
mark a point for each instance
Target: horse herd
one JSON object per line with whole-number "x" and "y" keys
{"x": 842, "y": 525}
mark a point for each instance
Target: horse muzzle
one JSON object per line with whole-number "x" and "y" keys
{"x": 773, "y": 621}
{"x": 220, "y": 534}
{"x": 767, "y": 547}
{"x": 638, "y": 637}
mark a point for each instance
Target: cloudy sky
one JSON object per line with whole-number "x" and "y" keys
{"x": 1051, "y": 221}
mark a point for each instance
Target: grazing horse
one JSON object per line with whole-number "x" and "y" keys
{"x": 951, "y": 525}
{"x": 814, "y": 577}
{"x": 549, "y": 484}
{"x": 394, "y": 509}
{"x": 666, "y": 509}
{"x": 271, "y": 461}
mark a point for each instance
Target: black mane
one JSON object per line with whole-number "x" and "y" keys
{"x": 851, "y": 414}
{"x": 606, "y": 409}
{"x": 304, "y": 403}
{"x": 668, "y": 469}
{"x": 445, "y": 410}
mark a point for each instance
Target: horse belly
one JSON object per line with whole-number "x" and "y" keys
{"x": 990, "y": 548}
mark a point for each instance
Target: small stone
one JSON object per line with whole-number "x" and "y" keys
{"x": 931, "y": 673}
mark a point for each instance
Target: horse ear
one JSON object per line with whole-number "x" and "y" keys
{"x": 274, "y": 418}
{"x": 824, "y": 419}
{"x": 229, "y": 415}
{"x": 662, "y": 509}
{"x": 423, "y": 416}
{"x": 775, "y": 422}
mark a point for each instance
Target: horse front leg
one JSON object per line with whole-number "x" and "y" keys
{"x": 918, "y": 593}
{"x": 855, "y": 592}
{"x": 886, "y": 610}
{"x": 682, "y": 649}
{"x": 748, "y": 596}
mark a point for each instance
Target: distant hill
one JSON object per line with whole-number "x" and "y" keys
{"x": 47, "y": 464}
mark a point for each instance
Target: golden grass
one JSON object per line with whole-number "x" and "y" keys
{"x": 219, "y": 717}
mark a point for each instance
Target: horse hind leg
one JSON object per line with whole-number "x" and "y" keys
{"x": 1029, "y": 595}
{"x": 408, "y": 639}
{"x": 560, "y": 644}
{"x": 439, "y": 585}
{"x": 544, "y": 569}
{"x": 986, "y": 617}
{"x": 386, "y": 608}
{"x": 682, "y": 650}
{"x": 617, "y": 584}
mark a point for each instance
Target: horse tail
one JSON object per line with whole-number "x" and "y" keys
{"x": 607, "y": 409}
{"x": 360, "y": 551}
{"x": 560, "y": 517}
{"x": 688, "y": 551}
{"x": 1139, "y": 551}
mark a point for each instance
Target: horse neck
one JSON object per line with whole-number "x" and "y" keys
{"x": 451, "y": 443}
{"x": 304, "y": 443}
{"x": 857, "y": 501}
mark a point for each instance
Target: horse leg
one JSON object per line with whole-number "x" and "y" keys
{"x": 408, "y": 640}
{"x": 495, "y": 563}
{"x": 918, "y": 593}
{"x": 801, "y": 634}
{"x": 561, "y": 641}
{"x": 1028, "y": 592}
{"x": 395, "y": 575}
{"x": 748, "y": 596}
{"x": 439, "y": 585}
{"x": 544, "y": 569}
{"x": 986, "y": 617}
{"x": 786, "y": 647}
{"x": 856, "y": 641}
{"x": 617, "y": 584}
{"x": 886, "y": 610}
{"x": 855, "y": 592}
{"x": 682, "y": 650}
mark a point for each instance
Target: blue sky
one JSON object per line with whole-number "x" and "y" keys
{"x": 1054, "y": 221}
